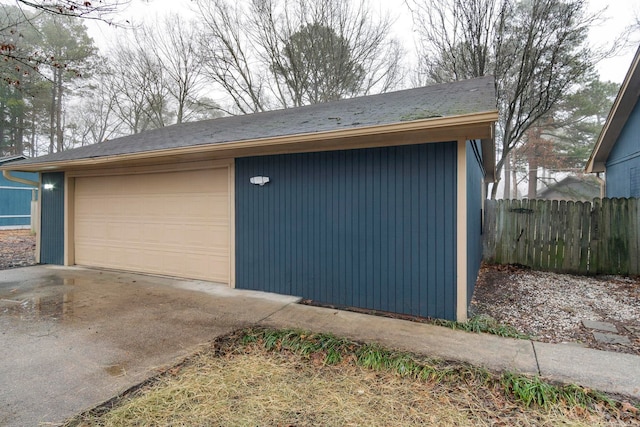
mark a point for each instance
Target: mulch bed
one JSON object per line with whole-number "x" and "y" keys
{"x": 17, "y": 249}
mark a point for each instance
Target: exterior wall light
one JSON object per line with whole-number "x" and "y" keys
{"x": 48, "y": 186}
{"x": 259, "y": 180}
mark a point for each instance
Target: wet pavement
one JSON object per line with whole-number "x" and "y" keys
{"x": 71, "y": 338}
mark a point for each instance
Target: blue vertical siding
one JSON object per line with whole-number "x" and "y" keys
{"x": 475, "y": 179}
{"x": 371, "y": 228}
{"x": 15, "y": 200}
{"x": 623, "y": 164}
{"x": 52, "y": 219}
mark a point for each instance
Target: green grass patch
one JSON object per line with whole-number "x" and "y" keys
{"x": 531, "y": 390}
{"x": 293, "y": 377}
{"x": 484, "y": 324}
{"x": 526, "y": 390}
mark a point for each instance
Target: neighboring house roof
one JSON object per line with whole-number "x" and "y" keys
{"x": 429, "y": 113}
{"x": 14, "y": 158}
{"x": 620, "y": 111}
{"x": 576, "y": 188}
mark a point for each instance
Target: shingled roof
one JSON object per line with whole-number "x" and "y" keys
{"x": 430, "y": 102}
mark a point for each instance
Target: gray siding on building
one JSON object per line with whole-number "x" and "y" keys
{"x": 52, "y": 219}
{"x": 623, "y": 164}
{"x": 475, "y": 179}
{"x": 370, "y": 228}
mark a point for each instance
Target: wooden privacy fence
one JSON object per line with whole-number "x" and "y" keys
{"x": 601, "y": 237}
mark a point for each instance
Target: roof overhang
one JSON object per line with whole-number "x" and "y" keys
{"x": 13, "y": 158}
{"x": 489, "y": 158}
{"x": 620, "y": 111}
{"x": 442, "y": 129}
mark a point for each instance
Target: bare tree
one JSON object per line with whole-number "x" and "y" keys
{"x": 231, "y": 51}
{"x": 102, "y": 10}
{"x": 279, "y": 53}
{"x": 95, "y": 118}
{"x": 456, "y": 38}
{"x": 173, "y": 42}
{"x": 136, "y": 79}
{"x": 535, "y": 49}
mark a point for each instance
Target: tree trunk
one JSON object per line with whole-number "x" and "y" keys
{"x": 507, "y": 182}
{"x": 20, "y": 134}
{"x": 33, "y": 134}
{"x": 499, "y": 166}
{"x": 59, "y": 127}
{"x": 52, "y": 114}
{"x": 514, "y": 177}
{"x": 13, "y": 135}
{"x": 2, "y": 122}
{"x": 20, "y": 128}
{"x": 533, "y": 176}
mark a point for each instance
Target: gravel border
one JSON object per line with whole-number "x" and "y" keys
{"x": 551, "y": 307}
{"x": 17, "y": 248}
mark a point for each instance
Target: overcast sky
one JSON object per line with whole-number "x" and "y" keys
{"x": 618, "y": 15}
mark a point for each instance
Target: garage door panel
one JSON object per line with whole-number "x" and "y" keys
{"x": 216, "y": 237}
{"x": 125, "y": 232}
{"x": 164, "y": 223}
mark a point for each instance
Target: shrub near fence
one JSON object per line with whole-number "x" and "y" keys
{"x": 599, "y": 237}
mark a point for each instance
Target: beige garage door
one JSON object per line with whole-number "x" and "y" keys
{"x": 175, "y": 223}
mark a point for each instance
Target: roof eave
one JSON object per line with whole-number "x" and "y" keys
{"x": 489, "y": 157}
{"x": 13, "y": 158}
{"x": 620, "y": 111}
{"x": 468, "y": 126}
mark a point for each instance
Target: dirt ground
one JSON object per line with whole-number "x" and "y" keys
{"x": 17, "y": 248}
{"x": 551, "y": 307}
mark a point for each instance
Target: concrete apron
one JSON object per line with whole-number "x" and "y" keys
{"x": 71, "y": 338}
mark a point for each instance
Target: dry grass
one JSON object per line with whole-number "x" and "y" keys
{"x": 247, "y": 385}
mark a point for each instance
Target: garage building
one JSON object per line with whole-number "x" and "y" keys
{"x": 372, "y": 202}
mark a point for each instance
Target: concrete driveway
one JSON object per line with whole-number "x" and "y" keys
{"x": 71, "y": 338}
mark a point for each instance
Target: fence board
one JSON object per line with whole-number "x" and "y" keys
{"x": 560, "y": 243}
{"x": 594, "y": 236}
{"x": 544, "y": 234}
{"x": 601, "y": 237}
{"x": 530, "y": 232}
{"x": 499, "y": 228}
{"x": 568, "y": 236}
{"x": 621, "y": 230}
{"x": 605, "y": 263}
{"x": 489, "y": 229}
{"x": 634, "y": 230}
{"x": 585, "y": 224}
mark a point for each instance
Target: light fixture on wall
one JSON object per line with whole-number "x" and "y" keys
{"x": 48, "y": 186}
{"x": 259, "y": 180}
